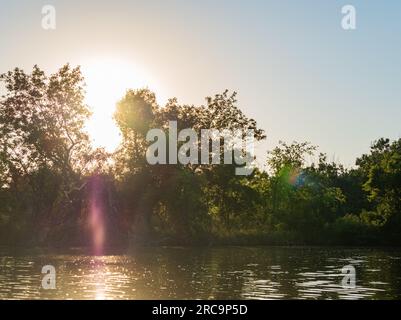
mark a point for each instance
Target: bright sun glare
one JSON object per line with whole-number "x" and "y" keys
{"x": 106, "y": 82}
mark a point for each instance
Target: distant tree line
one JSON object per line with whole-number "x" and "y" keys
{"x": 51, "y": 178}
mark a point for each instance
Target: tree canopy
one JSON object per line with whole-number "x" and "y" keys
{"x": 51, "y": 177}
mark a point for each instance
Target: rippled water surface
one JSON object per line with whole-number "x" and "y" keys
{"x": 205, "y": 273}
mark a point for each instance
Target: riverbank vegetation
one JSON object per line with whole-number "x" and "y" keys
{"x": 56, "y": 189}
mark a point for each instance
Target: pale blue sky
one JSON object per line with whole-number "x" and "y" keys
{"x": 297, "y": 72}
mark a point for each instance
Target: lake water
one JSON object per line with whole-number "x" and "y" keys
{"x": 205, "y": 273}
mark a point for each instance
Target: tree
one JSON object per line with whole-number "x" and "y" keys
{"x": 382, "y": 169}
{"x": 305, "y": 199}
{"x": 42, "y": 138}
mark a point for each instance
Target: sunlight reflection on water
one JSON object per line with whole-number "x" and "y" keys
{"x": 206, "y": 273}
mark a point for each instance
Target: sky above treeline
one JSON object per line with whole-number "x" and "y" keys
{"x": 297, "y": 71}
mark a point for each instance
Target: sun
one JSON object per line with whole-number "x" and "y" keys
{"x": 106, "y": 83}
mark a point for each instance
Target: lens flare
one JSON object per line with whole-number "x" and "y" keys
{"x": 293, "y": 176}
{"x": 96, "y": 215}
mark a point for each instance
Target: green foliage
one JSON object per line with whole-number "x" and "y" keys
{"x": 134, "y": 113}
{"x": 47, "y": 170}
{"x": 42, "y": 145}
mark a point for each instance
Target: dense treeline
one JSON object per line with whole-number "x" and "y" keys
{"x": 52, "y": 180}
